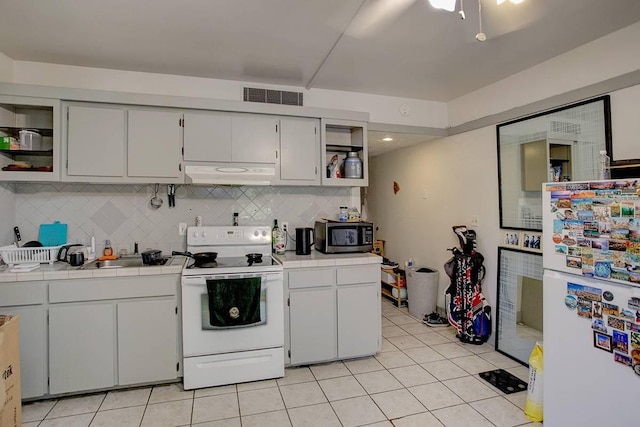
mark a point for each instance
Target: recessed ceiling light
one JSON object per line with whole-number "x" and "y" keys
{"x": 387, "y": 139}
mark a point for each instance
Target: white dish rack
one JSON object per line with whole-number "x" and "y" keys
{"x": 13, "y": 255}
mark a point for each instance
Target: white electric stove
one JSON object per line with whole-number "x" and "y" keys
{"x": 232, "y": 309}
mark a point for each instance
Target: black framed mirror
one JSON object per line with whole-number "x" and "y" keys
{"x": 519, "y": 303}
{"x": 561, "y": 144}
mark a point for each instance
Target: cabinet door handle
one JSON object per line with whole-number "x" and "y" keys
{"x": 276, "y": 154}
{"x": 180, "y": 167}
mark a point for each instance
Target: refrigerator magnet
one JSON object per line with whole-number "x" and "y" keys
{"x": 634, "y": 302}
{"x": 636, "y": 369}
{"x": 627, "y": 314}
{"x": 602, "y": 341}
{"x": 598, "y": 325}
{"x": 634, "y": 337}
{"x": 633, "y": 327}
{"x": 620, "y": 341}
{"x": 602, "y": 269}
{"x": 584, "y": 307}
{"x": 607, "y": 295}
{"x": 622, "y": 358}
{"x": 574, "y": 262}
{"x": 615, "y": 323}
{"x": 597, "y": 310}
{"x": 589, "y": 292}
{"x": 571, "y": 302}
{"x": 610, "y": 309}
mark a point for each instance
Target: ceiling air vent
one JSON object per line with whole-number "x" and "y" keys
{"x": 252, "y": 94}
{"x": 564, "y": 127}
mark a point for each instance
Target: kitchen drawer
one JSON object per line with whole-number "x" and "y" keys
{"x": 23, "y": 293}
{"x": 112, "y": 288}
{"x": 364, "y": 274}
{"x": 311, "y": 278}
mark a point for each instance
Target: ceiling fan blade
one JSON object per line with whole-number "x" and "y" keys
{"x": 375, "y": 15}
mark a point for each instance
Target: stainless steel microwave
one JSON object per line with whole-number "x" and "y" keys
{"x": 343, "y": 237}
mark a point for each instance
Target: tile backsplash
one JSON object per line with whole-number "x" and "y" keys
{"x": 123, "y": 214}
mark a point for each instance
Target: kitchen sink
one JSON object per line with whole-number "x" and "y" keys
{"x": 118, "y": 263}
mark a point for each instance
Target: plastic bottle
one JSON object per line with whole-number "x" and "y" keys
{"x": 353, "y": 166}
{"x": 108, "y": 250}
{"x": 344, "y": 214}
{"x": 605, "y": 164}
{"x": 277, "y": 239}
{"x": 235, "y": 219}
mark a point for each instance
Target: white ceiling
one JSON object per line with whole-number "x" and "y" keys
{"x": 400, "y": 140}
{"x": 424, "y": 53}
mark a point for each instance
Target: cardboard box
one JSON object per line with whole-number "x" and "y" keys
{"x": 10, "y": 393}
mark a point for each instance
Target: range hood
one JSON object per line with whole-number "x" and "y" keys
{"x": 229, "y": 175}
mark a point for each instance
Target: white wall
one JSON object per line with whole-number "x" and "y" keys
{"x": 6, "y": 68}
{"x": 382, "y": 109}
{"x": 7, "y": 214}
{"x": 442, "y": 183}
{"x": 607, "y": 57}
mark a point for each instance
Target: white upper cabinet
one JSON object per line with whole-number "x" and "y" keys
{"x": 111, "y": 143}
{"x": 207, "y": 137}
{"x": 299, "y": 155}
{"x": 230, "y": 137}
{"x": 255, "y": 138}
{"x": 96, "y": 141}
{"x": 154, "y": 144}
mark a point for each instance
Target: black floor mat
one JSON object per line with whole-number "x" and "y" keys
{"x": 506, "y": 382}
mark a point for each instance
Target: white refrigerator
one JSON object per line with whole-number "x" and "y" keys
{"x": 591, "y": 303}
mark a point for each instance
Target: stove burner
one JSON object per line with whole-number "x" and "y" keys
{"x": 254, "y": 258}
{"x": 196, "y": 264}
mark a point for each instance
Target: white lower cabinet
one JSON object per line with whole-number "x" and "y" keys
{"x": 106, "y": 332}
{"x": 33, "y": 349}
{"x": 81, "y": 347}
{"x": 26, "y": 300}
{"x": 334, "y": 313}
{"x": 358, "y": 320}
{"x": 147, "y": 344}
{"x": 313, "y": 325}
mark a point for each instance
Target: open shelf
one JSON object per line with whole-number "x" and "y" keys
{"x": 388, "y": 285}
{"x": 34, "y": 114}
{"x": 27, "y": 152}
{"x": 340, "y": 137}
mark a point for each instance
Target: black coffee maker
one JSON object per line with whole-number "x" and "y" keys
{"x": 304, "y": 240}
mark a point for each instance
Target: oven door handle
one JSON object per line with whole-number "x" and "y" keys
{"x": 202, "y": 280}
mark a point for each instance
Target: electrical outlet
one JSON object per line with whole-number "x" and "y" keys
{"x": 182, "y": 229}
{"x": 285, "y": 227}
{"x": 475, "y": 222}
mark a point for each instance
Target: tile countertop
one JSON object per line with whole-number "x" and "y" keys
{"x": 318, "y": 259}
{"x": 62, "y": 270}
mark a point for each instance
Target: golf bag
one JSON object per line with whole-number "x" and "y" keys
{"x": 467, "y": 309}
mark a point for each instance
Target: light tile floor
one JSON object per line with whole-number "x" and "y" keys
{"x": 422, "y": 377}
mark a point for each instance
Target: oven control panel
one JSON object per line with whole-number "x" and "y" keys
{"x": 221, "y": 235}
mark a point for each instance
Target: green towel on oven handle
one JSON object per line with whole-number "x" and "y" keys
{"x": 234, "y": 302}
